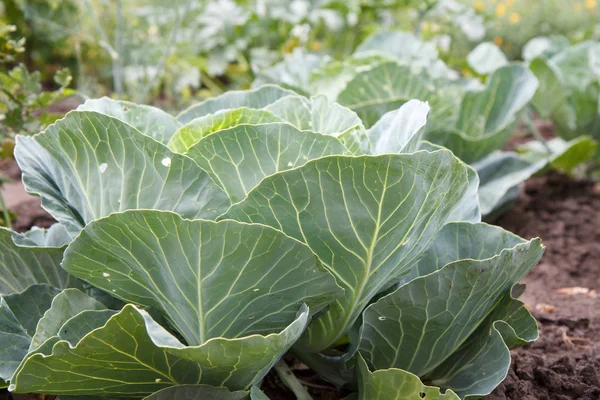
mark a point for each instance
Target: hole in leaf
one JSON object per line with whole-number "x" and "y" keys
{"x": 422, "y": 395}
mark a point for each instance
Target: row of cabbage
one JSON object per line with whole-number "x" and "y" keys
{"x": 192, "y": 252}
{"x": 475, "y": 116}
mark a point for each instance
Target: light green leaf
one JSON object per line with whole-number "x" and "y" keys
{"x": 293, "y": 72}
{"x": 198, "y": 128}
{"x": 55, "y": 236}
{"x": 19, "y": 315}
{"x": 257, "y": 394}
{"x": 544, "y": 46}
{"x": 317, "y": 114}
{"x": 386, "y": 87}
{"x": 564, "y": 156}
{"x": 76, "y": 327}
{"x": 15, "y": 341}
{"x": 586, "y": 104}
{"x": 89, "y": 165}
{"x": 65, "y": 305}
{"x": 477, "y": 241}
{"x": 197, "y": 392}
{"x": 257, "y": 98}
{"x": 467, "y": 209}
{"x": 415, "y": 332}
{"x": 486, "y": 58}
{"x": 488, "y": 117}
{"x": 23, "y": 266}
{"x": 395, "y": 384}
{"x": 574, "y": 64}
{"x": 151, "y": 121}
{"x": 405, "y": 46}
{"x": 332, "y": 78}
{"x": 152, "y": 358}
{"x": 237, "y": 159}
{"x": 210, "y": 280}
{"x": 494, "y": 109}
{"x": 482, "y": 362}
{"x": 401, "y": 130}
{"x": 551, "y": 98}
{"x": 499, "y": 173}
{"x": 367, "y": 219}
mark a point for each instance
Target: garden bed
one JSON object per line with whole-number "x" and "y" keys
{"x": 565, "y": 362}
{"x": 562, "y": 291}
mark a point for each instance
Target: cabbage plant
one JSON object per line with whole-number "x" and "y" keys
{"x": 570, "y": 88}
{"x": 192, "y": 252}
{"x": 473, "y": 119}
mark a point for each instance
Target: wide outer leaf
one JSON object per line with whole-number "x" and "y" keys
{"x": 238, "y": 158}
{"x": 574, "y": 64}
{"x": 462, "y": 240}
{"x": 405, "y": 46}
{"x": 257, "y": 98}
{"x": 257, "y": 394}
{"x": 395, "y": 384}
{"x": 424, "y": 322}
{"x": 151, "y": 121}
{"x": 551, "y": 97}
{"x": 80, "y": 325}
{"x": 332, "y": 78}
{"x": 19, "y": 315}
{"x": 317, "y": 114}
{"x": 210, "y": 280}
{"x": 89, "y": 165}
{"x": 564, "y": 156}
{"x": 399, "y": 131}
{"x": 499, "y": 173}
{"x": 55, "y": 236}
{"x": 133, "y": 356}
{"x": 367, "y": 218}
{"x": 483, "y": 361}
{"x": 386, "y": 87}
{"x": 23, "y": 266}
{"x": 65, "y": 305}
{"x": 15, "y": 342}
{"x": 466, "y": 210}
{"x": 294, "y": 71}
{"x": 193, "y": 131}
{"x": 486, "y": 58}
{"x": 197, "y": 392}
{"x": 488, "y": 117}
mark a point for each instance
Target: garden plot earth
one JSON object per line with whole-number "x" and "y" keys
{"x": 563, "y": 291}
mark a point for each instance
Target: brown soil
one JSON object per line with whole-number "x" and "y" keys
{"x": 26, "y": 208}
{"x": 565, "y": 362}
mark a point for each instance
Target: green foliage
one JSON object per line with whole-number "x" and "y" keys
{"x": 569, "y": 92}
{"x": 22, "y": 100}
{"x": 277, "y": 222}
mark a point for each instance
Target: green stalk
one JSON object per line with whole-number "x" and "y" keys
{"x": 5, "y": 213}
{"x": 290, "y": 380}
{"x": 528, "y": 119}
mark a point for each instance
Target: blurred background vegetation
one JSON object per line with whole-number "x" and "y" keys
{"x": 177, "y": 52}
